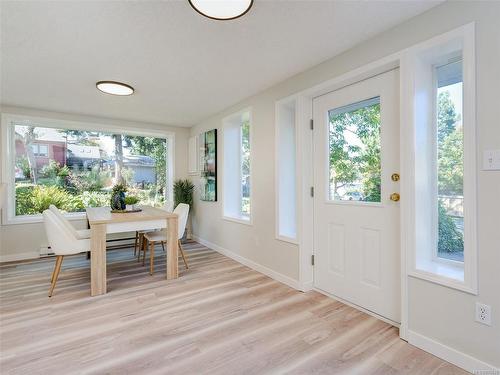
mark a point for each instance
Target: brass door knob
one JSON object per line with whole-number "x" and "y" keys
{"x": 395, "y": 197}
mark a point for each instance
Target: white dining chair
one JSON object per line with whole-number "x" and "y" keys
{"x": 151, "y": 238}
{"x": 62, "y": 242}
{"x": 79, "y": 233}
{"x": 139, "y": 235}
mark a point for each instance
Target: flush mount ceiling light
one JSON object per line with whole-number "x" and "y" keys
{"x": 221, "y": 9}
{"x": 114, "y": 88}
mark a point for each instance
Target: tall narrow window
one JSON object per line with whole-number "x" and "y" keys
{"x": 237, "y": 167}
{"x": 442, "y": 196}
{"x": 450, "y": 161}
{"x": 245, "y": 167}
{"x": 286, "y": 170}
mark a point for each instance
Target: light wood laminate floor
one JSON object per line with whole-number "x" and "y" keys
{"x": 219, "y": 317}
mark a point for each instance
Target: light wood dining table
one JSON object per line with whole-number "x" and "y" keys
{"x": 102, "y": 221}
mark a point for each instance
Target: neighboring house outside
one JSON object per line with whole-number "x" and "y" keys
{"x": 83, "y": 156}
{"x": 44, "y": 151}
{"x": 143, "y": 168}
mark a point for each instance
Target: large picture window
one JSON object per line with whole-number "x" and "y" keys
{"x": 77, "y": 168}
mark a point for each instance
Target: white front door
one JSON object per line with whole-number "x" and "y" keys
{"x": 356, "y": 170}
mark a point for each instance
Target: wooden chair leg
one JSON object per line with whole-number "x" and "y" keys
{"x": 144, "y": 249}
{"x": 55, "y": 274}
{"x": 136, "y": 242}
{"x": 163, "y": 246}
{"x": 183, "y": 255}
{"x": 152, "y": 258}
{"x": 140, "y": 245}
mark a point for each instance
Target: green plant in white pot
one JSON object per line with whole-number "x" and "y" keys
{"x": 130, "y": 202}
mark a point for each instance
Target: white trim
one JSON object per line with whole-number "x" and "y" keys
{"x": 462, "y": 39}
{"x": 305, "y": 176}
{"x": 38, "y": 218}
{"x": 8, "y": 156}
{"x": 237, "y": 115}
{"x": 406, "y": 186}
{"x": 20, "y": 256}
{"x": 279, "y": 237}
{"x": 193, "y": 155}
{"x": 250, "y": 263}
{"x": 241, "y": 220}
{"x": 281, "y": 102}
{"x": 441, "y": 279}
{"x": 354, "y": 203}
{"x": 451, "y": 355}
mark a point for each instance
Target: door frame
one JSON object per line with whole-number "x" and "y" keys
{"x": 305, "y": 212}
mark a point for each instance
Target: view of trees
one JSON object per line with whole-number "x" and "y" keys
{"x": 355, "y": 167}
{"x": 78, "y": 168}
{"x": 450, "y": 177}
{"x": 355, "y": 154}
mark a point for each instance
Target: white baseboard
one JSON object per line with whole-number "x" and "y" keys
{"x": 19, "y": 256}
{"x": 306, "y": 287}
{"x": 451, "y": 355}
{"x": 250, "y": 263}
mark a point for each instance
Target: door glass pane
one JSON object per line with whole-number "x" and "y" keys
{"x": 450, "y": 162}
{"x": 354, "y": 152}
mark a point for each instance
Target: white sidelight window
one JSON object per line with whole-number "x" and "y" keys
{"x": 286, "y": 170}
{"x": 237, "y": 167}
{"x": 443, "y": 206}
{"x": 449, "y": 137}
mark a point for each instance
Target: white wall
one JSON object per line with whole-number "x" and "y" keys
{"x": 437, "y": 312}
{"x": 22, "y": 241}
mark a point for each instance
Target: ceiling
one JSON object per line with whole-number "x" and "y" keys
{"x": 184, "y": 67}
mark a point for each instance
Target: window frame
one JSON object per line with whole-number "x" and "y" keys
{"x": 328, "y": 198}
{"x": 420, "y": 94}
{"x": 8, "y": 158}
{"x": 285, "y": 108}
{"x": 231, "y": 121}
{"x": 37, "y": 153}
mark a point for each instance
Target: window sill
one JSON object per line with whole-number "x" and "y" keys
{"x": 442, "y": 273}
{"x": 239, "y": 220}
{"x": 283, "y": 238}
{"x": 34, "y": 219}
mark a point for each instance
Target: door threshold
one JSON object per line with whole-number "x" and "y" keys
{"x": 357, "y": 307}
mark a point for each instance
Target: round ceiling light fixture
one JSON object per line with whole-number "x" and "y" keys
{"x": 115, "y": 88}
{"x": 222, "y": 10}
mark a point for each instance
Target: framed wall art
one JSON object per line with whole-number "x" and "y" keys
{"x": 208, "y": 165}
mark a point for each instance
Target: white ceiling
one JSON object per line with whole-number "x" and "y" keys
{"x": 184, "y": 67}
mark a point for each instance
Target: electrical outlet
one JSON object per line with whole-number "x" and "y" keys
{"x": 483, "y": 313}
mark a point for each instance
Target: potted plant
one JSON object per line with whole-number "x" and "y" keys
{"x": 118, "y": 197}
{"x": 130, "y": 202}
{"x": 183, "y": 193}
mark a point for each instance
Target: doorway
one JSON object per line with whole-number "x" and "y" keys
{"x": 356, "y": 198}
